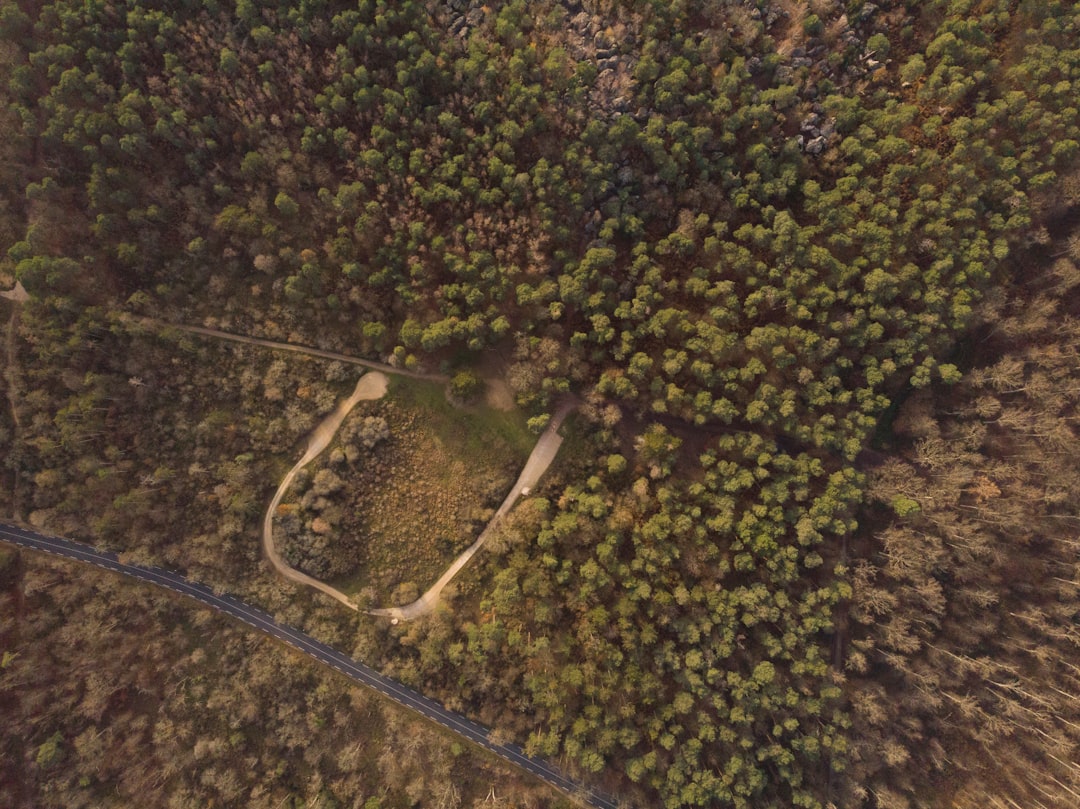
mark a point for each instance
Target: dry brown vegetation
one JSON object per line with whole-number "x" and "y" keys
{"x": 964, "y": 615}
{"x": 403, "y": 490}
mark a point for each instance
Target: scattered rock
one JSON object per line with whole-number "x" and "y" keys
{"x": 867, "y": 11}
{"x": 17, "y": 293}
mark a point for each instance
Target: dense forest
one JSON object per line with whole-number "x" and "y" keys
{"x": 807, "y": 267}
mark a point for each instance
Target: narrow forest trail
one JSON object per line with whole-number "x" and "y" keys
{"x": 300, "y": 349}
{"x": 11, "y": 370}
{"x": 371, "y": 385}
{"x": 17, "y": 296}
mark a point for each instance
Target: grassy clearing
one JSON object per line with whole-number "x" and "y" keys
{"x": 411, "y": 503}
{"x": 466, "y": 430}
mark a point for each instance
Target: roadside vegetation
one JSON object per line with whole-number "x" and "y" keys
{"x": 803, "y": 263}
{"x": 116, "y": 694}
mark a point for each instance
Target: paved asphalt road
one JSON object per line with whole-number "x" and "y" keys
{"x": 360, "y": 673}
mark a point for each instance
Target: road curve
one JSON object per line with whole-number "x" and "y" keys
{"x": 327, "y": 655}
{"x": 371, "y": 385}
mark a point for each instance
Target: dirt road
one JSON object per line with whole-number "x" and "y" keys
{"x": 372, "y": 385}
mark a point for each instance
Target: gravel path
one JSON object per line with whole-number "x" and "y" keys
{"x": 17, "y": 293}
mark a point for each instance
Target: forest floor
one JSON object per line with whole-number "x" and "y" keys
{"x": 498, "y": 395}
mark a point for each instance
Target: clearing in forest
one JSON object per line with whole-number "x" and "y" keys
{"x": 408, "y": 483}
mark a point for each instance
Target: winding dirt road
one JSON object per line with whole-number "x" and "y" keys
{"x": 372, "y": 385}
